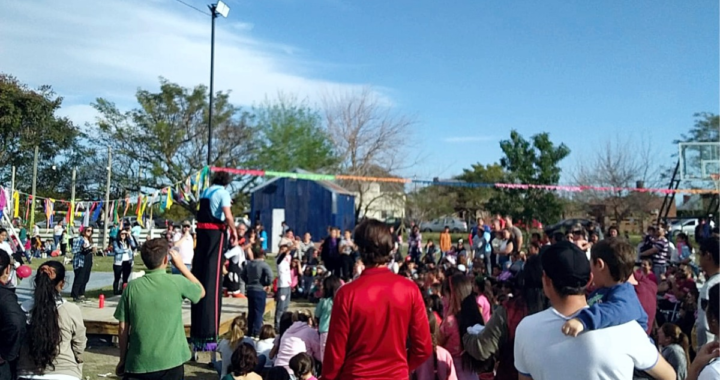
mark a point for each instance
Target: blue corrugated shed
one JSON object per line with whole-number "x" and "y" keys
{"x": 308, "y": 206}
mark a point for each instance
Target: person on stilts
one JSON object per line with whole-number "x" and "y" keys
{"x": 215, "y": 226}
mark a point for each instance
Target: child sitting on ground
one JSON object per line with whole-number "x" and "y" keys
{"x": 265, "y": 343}
{"x": 302, "y": 366}
{"x": 232, "y": 340}
{"x": 307, "y": 279}
{"x": 243, "y": 362}
{"x": 158, "y": 344}
{"x": 615, "y": 302}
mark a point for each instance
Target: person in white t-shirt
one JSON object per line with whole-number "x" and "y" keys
{"x": 284, "y": 280}
{"x": 57, "y": 235}
{"x": 706, "y": 365}
{"x": 543, "y": 352}
{"x": 185, "y": 246}
{"x": 710, "y": 264}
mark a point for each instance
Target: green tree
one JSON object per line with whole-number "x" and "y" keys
{"x": 705, "y": 129}
{"x": 291, "y": 135}
{"x": 164, "y": 140}
{"x": 28, "y": 119}
{"x": 473, "y": 199}
{"x": 429, "y": 203}
{"x": 534, "y": 162}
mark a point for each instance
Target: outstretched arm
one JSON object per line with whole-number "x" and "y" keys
{"x": 619, "y": 307}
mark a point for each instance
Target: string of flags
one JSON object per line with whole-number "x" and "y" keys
{"x": 192, "y": 187}
{"x": 91, "y": 210}
{"x": 521, "y": 186}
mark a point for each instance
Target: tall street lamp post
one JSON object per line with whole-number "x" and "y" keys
{"x": 216, "y": 9}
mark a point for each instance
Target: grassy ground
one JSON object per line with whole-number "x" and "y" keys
{"x": 101, "y": 359}
{"x": 100, "y": 264}
{"x": 105, "y": 264}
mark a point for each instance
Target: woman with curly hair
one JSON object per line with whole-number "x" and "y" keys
{"x": 55, "y": 339}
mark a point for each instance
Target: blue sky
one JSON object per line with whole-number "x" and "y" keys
{"x": 584, "y": 71}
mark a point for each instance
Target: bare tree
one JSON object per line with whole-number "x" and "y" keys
{"x": 617, "y": 165}
{"x": 371, "y": 139}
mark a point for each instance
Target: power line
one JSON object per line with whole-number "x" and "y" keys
{"x": 193, "y": 7}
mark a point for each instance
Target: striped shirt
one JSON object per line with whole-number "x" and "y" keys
{"x": 662, "y": 255}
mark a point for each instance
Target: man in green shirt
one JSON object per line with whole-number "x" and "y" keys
{"x": 152, "y": 338}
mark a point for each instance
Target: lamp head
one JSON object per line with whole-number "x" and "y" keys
{"x": 222, "y": 9}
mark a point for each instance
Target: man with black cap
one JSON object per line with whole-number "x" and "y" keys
{"x": 543, "y": 352}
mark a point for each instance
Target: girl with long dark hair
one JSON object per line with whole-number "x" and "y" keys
{"x": 459, "y": 288}
{"x": 497, "y": 339}
{"x": 13, "y": 326}
{"x": 123, "y": 249}
{"x": 440, "y": 366}
{"x": 55, "y": 339}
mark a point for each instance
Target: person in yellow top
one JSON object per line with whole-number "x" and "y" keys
{"x": 445, "y": 240}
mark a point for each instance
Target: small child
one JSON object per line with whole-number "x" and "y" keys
{"x": 243, "y": 362}
{"x": 358, "y": 268}
{"x": 295, "y": 277}
{"x": 323, "y": 309}
{"x": 37, "y": 246}
{"x": 47, "y": 249}
{"x": 440, "y": 365}
{"x": 615, "y": 302}
{"x": 232, "y": 340}
{"x": 232, "y": 281}
{"x": 266, "y": 342}
{"x": 307, "y": 280}
{"x": 302, "y": 366}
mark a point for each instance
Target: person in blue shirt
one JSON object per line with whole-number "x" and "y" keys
{"x": 263, "y": 236}
{"x": 615, "y": 302}
{"x": 215, "y": 223}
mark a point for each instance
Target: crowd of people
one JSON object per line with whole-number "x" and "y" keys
{"x": 578, "y": 304}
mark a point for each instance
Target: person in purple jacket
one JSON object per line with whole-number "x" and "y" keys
{"x": 615, "y": 302}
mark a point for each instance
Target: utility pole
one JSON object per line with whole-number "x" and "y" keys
{"x": 213, "y": 16}
{"x": 32, "y": 203}
{"x": 217, "y": 9}
{"x": 107, "y": 200}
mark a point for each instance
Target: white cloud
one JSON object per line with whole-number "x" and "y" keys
{"x": 111, "y": 48}
{"x": 468, "y": 139}
{"x": 80, "y": 114}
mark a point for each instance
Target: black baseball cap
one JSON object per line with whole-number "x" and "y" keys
{"x": 566, "y": 265}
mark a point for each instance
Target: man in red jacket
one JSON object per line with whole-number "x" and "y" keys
{"x": 378, "y": 327}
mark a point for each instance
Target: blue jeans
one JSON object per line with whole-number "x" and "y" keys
{"x": 659, "y": 269}
{"x": 282, "y": 302}
{"x": 174, "y": 270}
{"x": 56, "y": 240}
{"x": 256, "y": 310}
